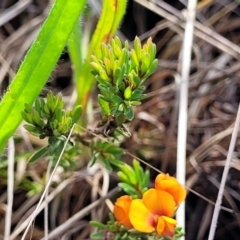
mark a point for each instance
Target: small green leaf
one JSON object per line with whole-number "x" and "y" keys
{"x": 115, "y": 162}
{"x": 28, "y": 108}
{"x": 27, "y": 117}
{"x": 127, "y": 188}
{"x": 118, "y": 75}
{"x": 115, "y": 150}
{"x": 104, "y": 105}
{"x": 129, "y": 172}
{"x": 97, "y": 236}
{"x": 145, "y": 63}
{"x": 98, "y": 225}
{"x": 151, "y": 69}
{"x": 134, "y": 58}
{"x": 137, "y": 48}
{"x": 38, "y": 105}
{"x": 76, "y": 113}
{"x": 36, "y": 131}
{"x": 129, "y": 113}
{"x": 128, "y": 93}
{"x": 124, "y": 58}
{"x": 42, "y": 152}
{"x": 37, "y": 118}
{"x": 92, "y": 161}
{"x": 135, "y": 103}
{"x": 116, "y": 99}
{"x": 137, "y": 168}
{"x": 123, "y": 177}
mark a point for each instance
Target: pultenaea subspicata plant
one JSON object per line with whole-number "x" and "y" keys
{"x": 120, "y": 72}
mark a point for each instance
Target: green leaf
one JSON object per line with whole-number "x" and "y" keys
{"x": 97, "y": 236}
{"x": 128, "y": 93}
{"x": 92, "y": 160}
{"x": 115, "y": 150}
{"x": 28, "y": 108}
{"x": 137, "y": 48}
{"x": 105, "y": 162}
{"x": 116, "y": 99}
{"x": 116, "y": 162}
{"x": 127, "y": 188}
{"x": 36, "y": 131}
{"x": 38, "y": 64}
{"x": 129, "y": 113}
{"x": 151, "y": 69}
{"x": 129, "y": 172}
{"x": 27, "y": 117}
{"x": 118, "y": 75}
{"x": 38, "y": 105}
{"x": 137, "y": 169}
{"x": 145, "y": 180}
{"x": 104, "y": 105}
{"x": 98, "y": 225}
{"x": 42, "y": 152}
{"x": 145, "y": 63}
{"x": 75, "y": 51}
{"x": 76, "y": 113}
{"x": 123, "y": 177}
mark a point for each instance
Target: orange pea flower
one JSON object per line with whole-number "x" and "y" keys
{"x": 153, "y": 213}
{"x": 171, "y": 185}
{"x": 121, "y": 210}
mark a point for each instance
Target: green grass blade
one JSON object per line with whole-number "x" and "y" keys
{"x": 75, "y": 53}
{"x": 38, "y": 64}
{"x": 111, "y": 16}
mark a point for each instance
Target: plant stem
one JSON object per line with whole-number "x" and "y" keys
{"x": 10, "y": 188}
{"x": 224, "y": 177}
{"x": 183, "y": 103}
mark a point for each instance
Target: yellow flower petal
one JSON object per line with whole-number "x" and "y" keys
{"x": 141, "y": 218}
{"x": 169, "y": 226}
{"x": 159, "y": 202}
{"x": 160, "y": 226}
{"x": 171, "y": 185}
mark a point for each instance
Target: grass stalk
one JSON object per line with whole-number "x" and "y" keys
{"x": 46, "y": 196}
{"x": 224, "y": 177}
{"x": 47, "y": 186}
{"x": 10, "y": 188}
{"x": 183, "y": 103}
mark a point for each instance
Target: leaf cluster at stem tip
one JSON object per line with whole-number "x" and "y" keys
{"x": 121, "y": 73}
{"x": 107, "y": 154}
{"x": 48, "y": 118}
{"x": 134, "y": 180}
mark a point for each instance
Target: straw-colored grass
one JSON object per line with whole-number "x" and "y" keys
{"x": 208, "y": 65}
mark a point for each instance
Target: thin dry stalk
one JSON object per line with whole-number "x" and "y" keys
{"x": 39, "y": 208}
{"x": 10, "y": 188}
{"x": 66, "y": 225}
{"x": 224, "y": 177}
{"x": 46, "y": 207}
{"x": 13, "y": 11}
{"x": 183, "y": 103}
{"x": 47, "y": 186}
